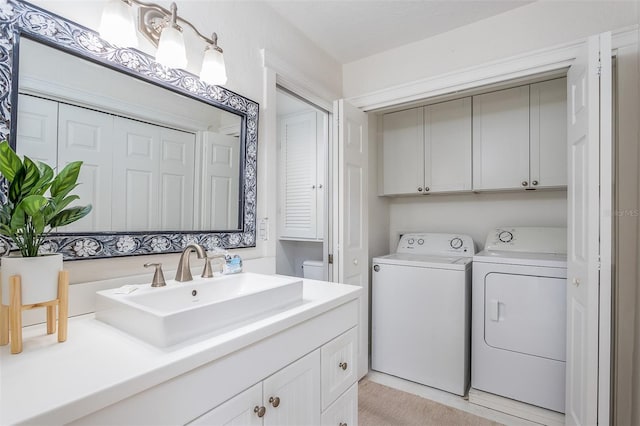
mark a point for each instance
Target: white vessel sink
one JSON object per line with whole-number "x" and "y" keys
{"x": 168, "y": 315}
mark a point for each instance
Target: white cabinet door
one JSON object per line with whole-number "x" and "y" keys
{"x": 403, "y": 152}
{"x": 501, "y": 139}
{"x": 447, "y": 146}
{"x": 548, "y": 150}
{"x": 238, "y": 411}
{"x": 298, "y": 208}
{"x": 292, "y": 395}
{"x": 37, "y": 136}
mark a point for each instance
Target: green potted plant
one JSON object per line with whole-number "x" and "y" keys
{"x": 37, "y": 202}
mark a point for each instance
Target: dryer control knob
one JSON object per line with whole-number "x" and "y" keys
{"x": 505, "y": 236}
{"x": 456, "y": 243}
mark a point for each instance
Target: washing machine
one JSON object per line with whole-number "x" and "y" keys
{"x": 420, "y": 311}
{"x": 519, "y": 315}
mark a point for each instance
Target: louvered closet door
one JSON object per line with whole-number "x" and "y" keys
{"x": 298, "y": 215}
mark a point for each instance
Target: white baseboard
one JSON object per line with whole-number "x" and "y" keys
{"x": 516, "y": 408}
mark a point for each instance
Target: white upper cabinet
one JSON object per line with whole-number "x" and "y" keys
{"x": 403, "y": 151}
{"x": 519, "y": 137}
{"x": 501, "y": 139}
{"x": 548, "y": 152}
{"x": 447, "y": 146}
{"x": 427, "y": 150}
{"x": 301, "y": 177}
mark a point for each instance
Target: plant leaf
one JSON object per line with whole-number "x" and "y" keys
{"x": 31, "y": 176}
{"x": 69, "y": 215}
{"x": 33, "y": 205}
{"x": 15, "y": 189}
{"x": 9, "y": 162}
{"x": 46, "y": 178}
{"x": 66, "y": 179}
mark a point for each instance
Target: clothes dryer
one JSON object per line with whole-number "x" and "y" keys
{"x": 519, "y": 316}
{"x": 421, "y": 311}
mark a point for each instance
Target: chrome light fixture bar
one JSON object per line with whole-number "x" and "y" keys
{"x": 163, "y": 28}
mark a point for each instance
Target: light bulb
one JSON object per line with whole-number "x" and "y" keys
{"x": 213, "y": 69}
{"x": 171, "y": 50}
{"x": 116, "y": 24}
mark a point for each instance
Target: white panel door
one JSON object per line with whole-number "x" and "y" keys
{"x": 548, "y": 146}
{"x": 501, "y": 139}
{"x": 298, "y": 210}
{"x": 586, "y": 138}
{"x": 136, "y": 170}
{"x": 402, "y": 152}
{"x": 292, "y": 395}
{"x": 351, "y": 243}
{"x": 238, "y": 411}
{"x": 88, "y": 134}
{"x": 447, "y": 146}
{"x": 176, "y": 180}
{"x": 221, "y": 180}
{"x": 37, "y": 136}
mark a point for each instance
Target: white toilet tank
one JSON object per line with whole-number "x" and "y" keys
{"x": 313, "y": 269}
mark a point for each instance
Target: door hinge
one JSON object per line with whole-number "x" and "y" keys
{"x": 330, "y": 260}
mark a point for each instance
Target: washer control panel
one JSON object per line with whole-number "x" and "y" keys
{"x": 528, "y": 239}
{"x": 436, "y": 244}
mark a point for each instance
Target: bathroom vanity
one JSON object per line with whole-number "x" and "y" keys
{"x": 296, "y": 363}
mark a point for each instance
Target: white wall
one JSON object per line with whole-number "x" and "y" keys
{"x": 244, "y": 28}
{"x": 535, "y": 26}
{"x": 476, "y": 214}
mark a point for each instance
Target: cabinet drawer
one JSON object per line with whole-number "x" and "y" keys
{"x": 338, "y": 365}
{"x": 343, "y": 412}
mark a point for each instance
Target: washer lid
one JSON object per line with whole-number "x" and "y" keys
{"x": 424, "y": 261}
{"x": 549, "y": 260}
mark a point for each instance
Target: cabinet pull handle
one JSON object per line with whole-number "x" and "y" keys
{"x": 525, "y": 183}
{"x": 534, "y": 183}
{"x": 343, "y": 365}
{"x": 320, "y": 186}
{"x": 259, "y": 411}
{"x": 313, "y": 187}
{"x": 274, "y": 401}
{"x": 419, "y": 189}
{"x": 426, "y": 189}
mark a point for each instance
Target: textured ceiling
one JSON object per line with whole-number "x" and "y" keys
{"x": 349, "y": 30}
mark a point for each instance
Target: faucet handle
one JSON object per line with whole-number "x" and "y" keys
{"x": 207, "y": 272}
{"x": 158, "y": 276}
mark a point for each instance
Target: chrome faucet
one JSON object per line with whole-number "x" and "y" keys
{"x": 184, "y": 270}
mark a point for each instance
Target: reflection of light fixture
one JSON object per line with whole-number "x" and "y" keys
{"x": 161, "y": 27}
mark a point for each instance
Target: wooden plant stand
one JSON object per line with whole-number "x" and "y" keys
{"x": 11, "y": 314}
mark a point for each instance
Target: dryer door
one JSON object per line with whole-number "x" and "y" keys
{"x": 526, "y": 314}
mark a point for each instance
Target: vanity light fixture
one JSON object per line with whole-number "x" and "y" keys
{"x": 163, "y": 28}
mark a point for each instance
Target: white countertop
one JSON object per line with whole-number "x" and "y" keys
{"x": 99, "y": 365}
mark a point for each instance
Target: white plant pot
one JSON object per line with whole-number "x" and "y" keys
{"x": 39, "y": 277}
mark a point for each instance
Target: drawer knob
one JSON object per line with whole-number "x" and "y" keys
{"x": 343, "y": 365}
{"x": 274, "y": 401}
{"x": 534, "y": 183}
{"x": 525, "y": 183}
{"x": 343, "y": 424}
{"x": 259, "y": 411}
{"x": 426, "y": 189}
{"x": 419, "y": 189}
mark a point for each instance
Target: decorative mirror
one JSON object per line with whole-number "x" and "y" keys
{"x": 168, "y": 159}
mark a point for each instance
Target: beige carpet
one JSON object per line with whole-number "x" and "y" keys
{"x": 380, "y": 405}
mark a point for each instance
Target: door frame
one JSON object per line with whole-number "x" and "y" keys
{"x": 278, "y": 73}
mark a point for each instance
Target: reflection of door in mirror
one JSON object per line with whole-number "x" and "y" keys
{"x": 154, "y": 160}
{"x": 132, "y": 172}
